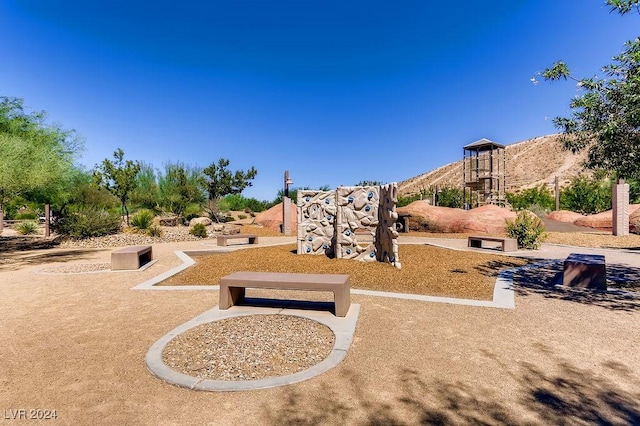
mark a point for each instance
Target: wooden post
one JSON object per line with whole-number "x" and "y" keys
{"x": 1, "y": 220}
{"x": 47, "y": 219}
{"x": 557, "y": 194}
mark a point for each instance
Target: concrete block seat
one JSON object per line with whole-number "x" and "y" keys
{"x": 130, "y": 258}
{"x": 232, "y": 287}
{"x": 506, "y": 244}
{"x": 222, "y": 239}
{"x": 585, "y": 271}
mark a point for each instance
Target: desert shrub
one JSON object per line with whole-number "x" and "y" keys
{"x": 539, "y": 210}
{"x": 586, "y": 195}
{"x": 242, "y": 216}
{"x": 26, "y": 216}
{"x": 450, "y": 197}
{"x": 539, "y": 196}
{"x": 27, "y": 228}
{"x": 192, "y": 211}
{"x": 88, "y": 222}
{"x": 255, "y": 205}
{"x": 154, "y": 231}
{"x": 528, "y": 229}
{"x": 142, "y": 220}
{"x": 199, "y": 230}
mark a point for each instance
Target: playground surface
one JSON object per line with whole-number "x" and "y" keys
{"x": 76, "y": 344}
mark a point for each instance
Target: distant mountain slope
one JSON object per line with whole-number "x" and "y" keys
{"x": 529, "y": 163}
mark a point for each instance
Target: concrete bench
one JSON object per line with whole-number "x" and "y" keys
{"x": 585, "y": 271}
{"x": 222, "y": 239}
{"x": 130, "y": 257}
{"x": 232, "y": 287}
{"x": 506, "y": 244}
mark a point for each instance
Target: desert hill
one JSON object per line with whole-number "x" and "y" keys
{"x": 529, "y": 163}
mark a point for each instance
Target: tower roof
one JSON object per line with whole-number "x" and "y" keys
{"x": 483, "y": 144}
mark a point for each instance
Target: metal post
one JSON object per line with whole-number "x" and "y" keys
{"x": 286, "y": 205}
{"x": 47, "y": 219}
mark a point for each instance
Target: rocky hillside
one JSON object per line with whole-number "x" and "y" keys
{"x": 529, "y": 163}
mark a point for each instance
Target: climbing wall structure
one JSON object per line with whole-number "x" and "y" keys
{"x": 329, "y": 222}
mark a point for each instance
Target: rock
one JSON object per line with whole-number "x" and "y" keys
{"x": 424, "y": 216}
{"x": 272, "y": 218}
{"x": 634, "y": 221}
{"x": 217, "y": 227}
{"x": 488, "y": 219}
{"x": 229, "y": 229}
{"x": 203, "y": 220}
{"x": 564, "y": 216}
{"x": 166, "y": 220}
{"x": 604, "y": 220}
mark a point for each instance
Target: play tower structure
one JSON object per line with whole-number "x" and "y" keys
{"x": 484, "y": 173}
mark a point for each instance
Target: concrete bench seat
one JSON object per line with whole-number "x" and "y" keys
{"x": 506, "y": 244}
{"x": 130, "y": 258}
{"x": 222, "y": 239}
{"x": 585, "y": 271}
{"x": 232, "y": 287}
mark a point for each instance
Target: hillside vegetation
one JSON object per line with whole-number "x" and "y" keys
{"x": 529, "y": 163}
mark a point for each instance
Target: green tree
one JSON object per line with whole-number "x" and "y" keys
{"x": 450, "y": 197}
{"x": 605, "y": 117}
{"x": 180, "y": 186}
{"x": 538, "y": 196}
{"x": 35, "y": 157}
{"x": 146, "y": 192}
{"x": 587, "y": 195}
{"x": 118, "y": 177}
{"x": 221, "y": 181}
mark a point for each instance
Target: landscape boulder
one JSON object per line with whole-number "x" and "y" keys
{"x": 272, "y": 218}
{"x": 634, "y": 221}
{"x": 604, "y": 220}
{"x": 564, "y": 216}
{"x": 424, "y": 216}
{"x": 230, "y": 229}
{"x": 166, "y": 220}
{"x": 203, "y": 220}
{"x": 488, "y": 219}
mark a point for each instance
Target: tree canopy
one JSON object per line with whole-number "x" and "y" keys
{"x": 118, "y": 177}
{"x": 36, "y": 158}
{"x": 605, "y": 117}
{"x": 222, "y": 181}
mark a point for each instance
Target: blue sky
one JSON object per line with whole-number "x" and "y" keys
{"x": 333, "y": 91}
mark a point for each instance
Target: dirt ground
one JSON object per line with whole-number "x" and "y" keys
{"x": 75, "y": 343}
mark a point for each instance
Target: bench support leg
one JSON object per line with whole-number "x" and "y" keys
{"x": 342, "y": 301}
{"x": 230, "y": 296}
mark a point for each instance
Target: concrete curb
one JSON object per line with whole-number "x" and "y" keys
{"x": 343, "y": 329}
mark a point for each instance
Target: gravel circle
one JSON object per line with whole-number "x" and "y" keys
{"x": 249, "y": 347}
